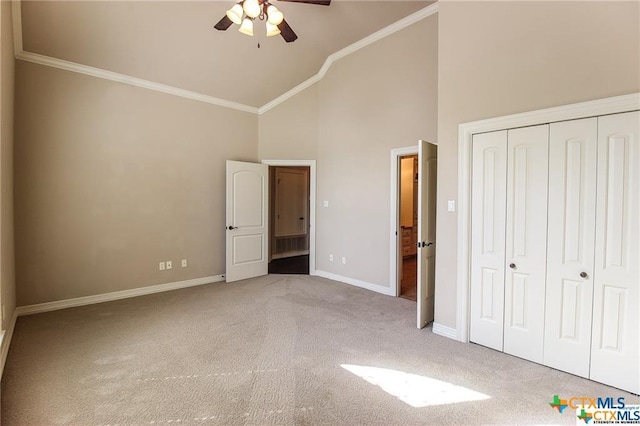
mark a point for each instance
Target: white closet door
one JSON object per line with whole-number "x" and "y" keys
{"x": 572, "y": 218}
{"x": 526, "y": 241}
{"x": 488, "y": 199}
{"x": 616, "y": 328}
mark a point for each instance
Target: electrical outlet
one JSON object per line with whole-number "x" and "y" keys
{"x": 344, "y": 260}
{"x": 184, "y": 263}
{"x": 161, "y": 266}
{"x": 169, "y": 264}
{"x": 331, "y": 258}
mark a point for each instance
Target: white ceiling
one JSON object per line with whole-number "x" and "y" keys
{"x": 174, "y": 43}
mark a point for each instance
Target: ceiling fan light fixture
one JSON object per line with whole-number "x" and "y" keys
{"x": 235, "y": 14}
{"x": 274, "y": 16}
{"x": 247, "y": 27}
{"x": 272, "y": 30}
{"x": 252, "y": 8}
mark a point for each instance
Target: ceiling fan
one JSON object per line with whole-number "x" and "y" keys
{"x": 245, "y": 12}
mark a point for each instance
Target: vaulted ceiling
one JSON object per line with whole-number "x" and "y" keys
{"x": 174, "y": 43}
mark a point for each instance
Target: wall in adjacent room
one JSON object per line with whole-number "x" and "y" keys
{"x": 499, "y": 58}
{"x": 7, "y": 255}
{"x": 112, "y": 179}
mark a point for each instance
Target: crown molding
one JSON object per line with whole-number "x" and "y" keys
{"x": 133, "y": 81}
{"x": 386, "y": 31}
{"x": 176, "y": 91}
{"x": 378, "y": 35}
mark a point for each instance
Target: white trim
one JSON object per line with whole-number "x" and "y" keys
{"x": 312, "y": 203}
{"x": 133, "y": 81}
{"x": 352, "y": 281}
{"x": 575, "y": 111}
{"x": 291, "y": 93}
{"x": 443, "y": 330}
{"x": 172, "y": 90}
{"x": 116, "y": 295}
{"x": 380, "y": 34}
{"x": 372, "y": 38}
{"x": 6, "y": 341}
{"x": 394, "y": 229}
{"x": 16, "y": 16}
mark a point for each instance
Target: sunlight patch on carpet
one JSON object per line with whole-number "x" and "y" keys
{"x": 415, "y": 390}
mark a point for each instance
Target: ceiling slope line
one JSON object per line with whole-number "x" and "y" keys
{"x": 172, "y": 90}
{"x": 133, "y": 81}
{"x": 372, "y": 38}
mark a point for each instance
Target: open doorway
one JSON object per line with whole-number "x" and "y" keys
{"x": 413, "y": 226}
{"x": 289, "y": 216}
{"x": 408, "y": 204}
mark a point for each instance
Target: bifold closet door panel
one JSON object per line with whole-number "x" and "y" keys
{"x": 488, "y": 200}
{"x": 572, "y": 218}
{"x": 616, "y": 322}
{"x": 526, "y": 241}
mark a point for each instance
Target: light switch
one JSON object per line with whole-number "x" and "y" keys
{"x": 325, "y": 203}
{"x": 451, "y": 205}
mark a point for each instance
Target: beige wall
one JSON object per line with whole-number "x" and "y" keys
{"x": 290, "y": 131}
{"x": 111, "y": 179}
{"x": 379, "y": 98}
{"x": 498, "y": 58}
{"x": 7, "y": 267}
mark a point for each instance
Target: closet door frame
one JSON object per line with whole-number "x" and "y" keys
{"x": 466, "y": 131}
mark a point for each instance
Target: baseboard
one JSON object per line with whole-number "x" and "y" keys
{"x": 6, "y": 341}
{"x": 358, "y": 283}
{"x": 116, "y": 295}
{"x": 445, "y": 331}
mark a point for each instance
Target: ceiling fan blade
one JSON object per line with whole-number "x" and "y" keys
{"x": 223, "y": 24}
{"x": 286, "y": 32}
{"x": 318, "y": 2}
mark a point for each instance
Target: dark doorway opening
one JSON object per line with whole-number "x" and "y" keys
{"x": 290, "y": 265}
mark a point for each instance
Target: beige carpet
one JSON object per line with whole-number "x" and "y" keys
{"x": 272, "y": 350}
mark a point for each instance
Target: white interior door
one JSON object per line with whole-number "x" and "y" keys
{"x": 427, "y": 183}
{"x": 571, "y": 234}
{"x": 526, "y": 243}
{"x": 247, "y": 219}
{"x": 616, "y": 323}
{"x": 488, "y": 223}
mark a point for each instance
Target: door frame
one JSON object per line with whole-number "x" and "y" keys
{"x": 312, "y": 202}
{"x": 466, "y": 131}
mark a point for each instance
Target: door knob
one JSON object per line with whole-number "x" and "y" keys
{"x": 232, "y": 227}
{"x": 512, "y": 265}
{"x": 584, "y": 274}
{"x": 430, "y": 243}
